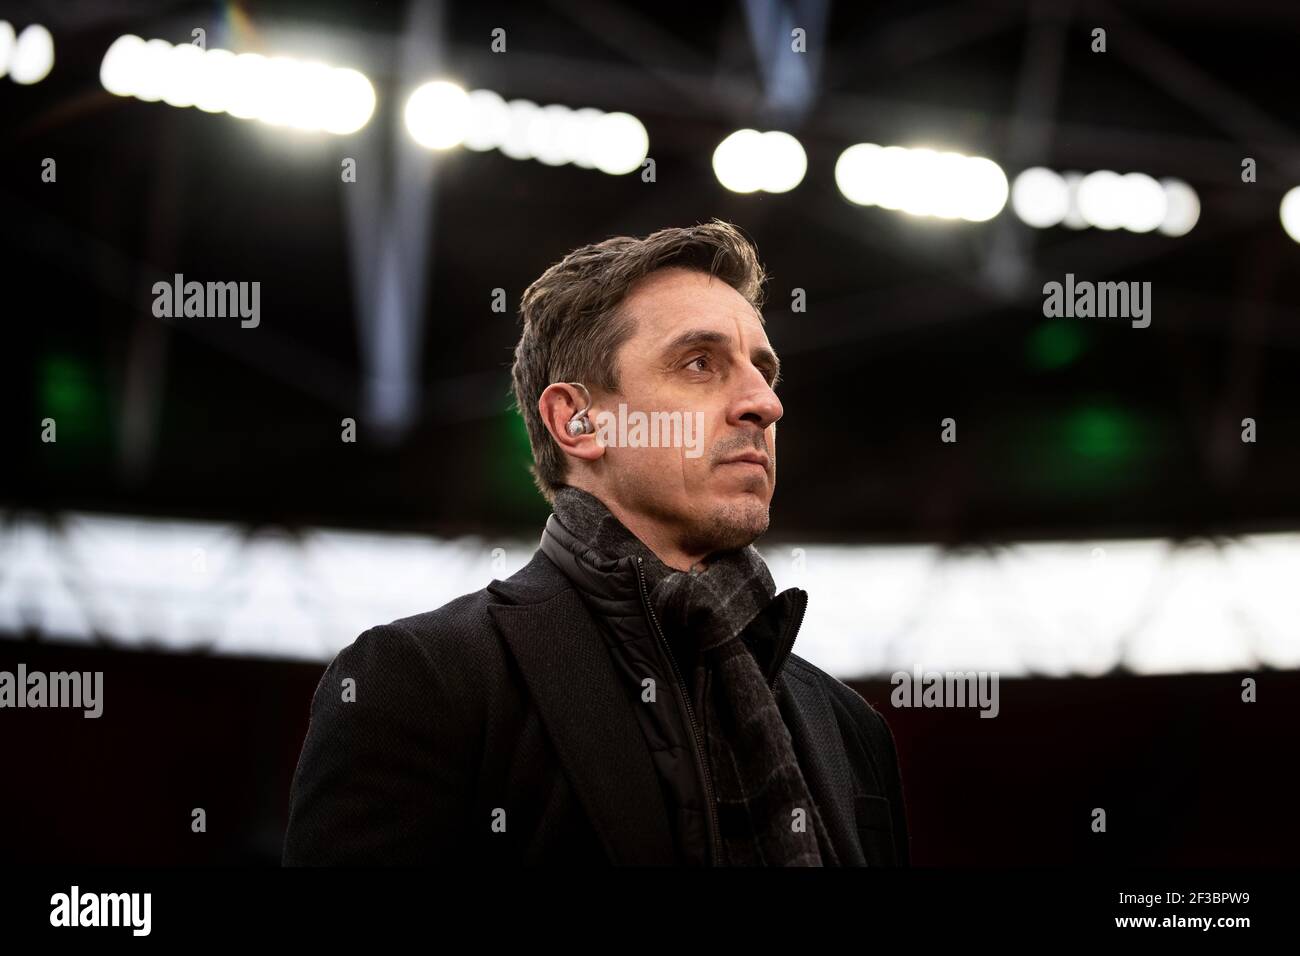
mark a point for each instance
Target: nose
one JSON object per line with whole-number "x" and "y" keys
{"x": 757, "y": 402}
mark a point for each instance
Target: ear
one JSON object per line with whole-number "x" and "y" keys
{"x": 557, "y": 405}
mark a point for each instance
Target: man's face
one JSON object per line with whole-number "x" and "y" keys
{"x": 698, "y": 348}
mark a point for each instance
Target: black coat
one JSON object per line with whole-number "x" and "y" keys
{"x": 504, "y": 705}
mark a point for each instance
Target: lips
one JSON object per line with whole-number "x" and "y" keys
{"x": 750, "y": 457}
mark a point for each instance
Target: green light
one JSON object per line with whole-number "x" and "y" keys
{"x": 69, "y": 393}
{"x": 1055, "y": 344}
{"x": 65, "y": 390}
{"x": 1101, "y": 433}
{"x": 507, "y": 469}
{"x": 1094, "y": 448}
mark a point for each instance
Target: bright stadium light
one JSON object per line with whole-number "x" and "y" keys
{"x": 1182, "y": 208}
{"x": 212, "y": 81}
{"x": 942, "y": 184}
{"x": 1104, "y": 200}
{"x": 29, "y": 58}
{"x": 1146, "y": 202}
{"x": 519, "y": 118}
{"x": 249, "y": 86}
{"x": 581, "y": 131}
{"x": 783, "y": 162}
{"x": 437, "y": 115}
{"x": 1040, "y": 197}
{"x": 349, "y": 99}
{"x": 749, "y": 161}
{"x": 984, "y": 191}
{"x": 487, "y": 120}
{"x": 548, "y": 139}
{"x": 1073, "y": 218}
{"x": 1290, "y": 213}
{"x": 900, "y": 180}
{"x": 620, "y": 143}
{"x": 922, "y": 182}
{"x": 119, "y": 71}
{"x": 289, "y": 102}
{"x": 733, "y": 161}
{"x": 855, "y": 174}
{"x": 157, "y": 71}
{"x": 184, "y": 75}
{"x": 906, "y": 176}
{"x": 276, "y": 90}
{"x": 1134, "y": 201}
{"x": 440, "y": 115}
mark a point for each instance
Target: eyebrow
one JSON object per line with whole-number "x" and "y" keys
{"x": 692, "y": 337}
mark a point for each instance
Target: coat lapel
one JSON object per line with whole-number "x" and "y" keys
{"x": 588, "y": 716}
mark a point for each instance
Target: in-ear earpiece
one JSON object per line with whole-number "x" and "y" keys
{"x": 580, "y": 424}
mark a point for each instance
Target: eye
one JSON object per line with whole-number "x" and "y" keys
{"x": 699, "y": 358}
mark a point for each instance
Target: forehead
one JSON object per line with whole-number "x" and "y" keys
{"x": 671, "y": 300}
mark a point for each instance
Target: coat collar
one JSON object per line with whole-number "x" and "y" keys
{"x": 604, "y": 580}
{"x": 549, "y": 630}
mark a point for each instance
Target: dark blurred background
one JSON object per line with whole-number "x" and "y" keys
{"x": 377, "y": 305}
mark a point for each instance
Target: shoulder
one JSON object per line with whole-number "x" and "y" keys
{"x": 451, "y": 628}
{"x": 852, "y": 711}
{"x": 457, "y": 626}
{"x": 456, "y": 642}
{"x": 841, "y": 694}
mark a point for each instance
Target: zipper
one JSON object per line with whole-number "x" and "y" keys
{"x": 796, "y": 624}
{"x": 714, "y": 827}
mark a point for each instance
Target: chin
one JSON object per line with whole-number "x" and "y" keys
{"x": 733, "y": 521}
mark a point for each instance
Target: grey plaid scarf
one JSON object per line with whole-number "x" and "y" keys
{"x": 756, "y": 777}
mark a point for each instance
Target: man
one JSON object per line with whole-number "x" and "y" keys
{"x": 629, "y": 696}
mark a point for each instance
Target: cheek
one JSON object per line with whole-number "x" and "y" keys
{"x": 666, "y": 467}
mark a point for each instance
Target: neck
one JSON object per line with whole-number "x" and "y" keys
{"x": 652, "y": 534}
{"x": 655, "y": 537}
